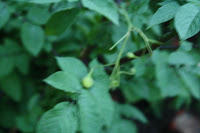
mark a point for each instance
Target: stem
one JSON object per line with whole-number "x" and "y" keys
{"x": 121, "y": 39}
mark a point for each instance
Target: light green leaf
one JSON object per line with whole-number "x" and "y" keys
{"x": 43, "y": 1}
{"x": 64, "y": 81}
{"x": 104, "y": 101}
{"x": 104, "y": 7}
{"x": 73, "y": 66}
{"x": 61, "y": 20}
{"x": 11, "y": 86}
{"x": 33, "y": 38}
{"x": 164, "y": 13}
{"x": 197, "y": 2}
{"x": 191, "y": 81}
{"x": 181, "y": 58}
{"x": 63, "y": 118}
{"x": 186, "y": 46}
{"x": 90, "y": 118}
{"x": 167, "y": 79}
{"x": 131, "y": 112}
{"x": 187, "y": 21}
{"x": 123, "y": 126}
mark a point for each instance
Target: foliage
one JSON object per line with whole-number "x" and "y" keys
{"x": 61, "y": 62}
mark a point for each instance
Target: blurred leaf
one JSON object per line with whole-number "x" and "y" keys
{"x": 64, "y": 81}
{"x": 191, "y": 81}
{"x": 43, "y": 1}
{"x": 131, "y": 112}
{"x": 5, "y": 13}
{"x": 39, "y": 14}
{"x": 186, "y": 46}
{"x": 104, "y": 7}
{"x": 73, "y": 66}
{"x": 61, "y": 119}
{"x": 181, "y": 58}
{"x": 90, "y": 118}
{"x": 33, "y": 38}
{"x": 11, "y": 85}
{"x": 123, "y": 126}
{"x": 61, "y": 20}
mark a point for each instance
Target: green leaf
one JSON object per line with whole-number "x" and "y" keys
{"x": 61, "y": 20}
{"x": 73, "y": 66}
{"x": 39, "y": 14}
{"x": 90, "y": 117}
{"x": 11, "y": 85}
{"x": 6, "y": 64}
{"x": 197, "y": 2}
{"x": 61, "y": 119}
{"x": 164, "y": 13}
{"x": 104, "y": 101}
{"x": 167, "y": 78}
{"x": 64, "y": 81}
{"x": 181, "y": 58}
{"x": 5, "y": 13}
{"x": 43, "y": 1}
{"x": 33, "y": 38}
{"x": 104, "y": 7}
{"x": 191, "y": 81}
{"x": 131, "y": 112}
{"x": 186, "y": 46}
{"x": 123, "y": 126}
{"x": 187, "y": 21}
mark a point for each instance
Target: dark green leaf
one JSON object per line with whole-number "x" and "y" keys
{"x": 33, "y": 38}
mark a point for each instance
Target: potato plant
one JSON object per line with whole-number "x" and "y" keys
{"x": 84, "y": 66}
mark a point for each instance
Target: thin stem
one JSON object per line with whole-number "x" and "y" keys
{"x": 145, "y": 38}
{"x": 121, "y": 39}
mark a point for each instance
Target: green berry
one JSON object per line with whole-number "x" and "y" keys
{"x": 133, "y": 70}
{"x": 114, "y": 84}
{"x": 130, "y": 55}
{"x": 87, "y": 82}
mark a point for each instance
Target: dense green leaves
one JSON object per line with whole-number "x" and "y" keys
{"x": 187, "y": 21}
{"x": 104, "y": 7}
{"x": 43, "y": 1}
{"x": 64, "y": 81}
{"x": 33, "y": 38}
{"x": 77, "y": 34}
{"x": 164, "y": 13}
{"x": 61, "y": 20}
{"x": 61, "y": 119}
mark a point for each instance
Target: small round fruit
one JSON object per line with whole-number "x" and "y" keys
{"x": 114, "y": 84}
{"x": 130, "y": 55}
{"x": 87, "y": 82}
{"x": 133, "y": 70}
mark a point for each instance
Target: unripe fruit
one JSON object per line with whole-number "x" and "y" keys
{"x": 87, "y": 82}
{"x": 114, "y": 84}
{"x": 130, "y": 55}
{"x": 133, "y": 70}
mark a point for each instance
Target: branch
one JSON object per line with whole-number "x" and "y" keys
{"x": 145, "y": 51}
